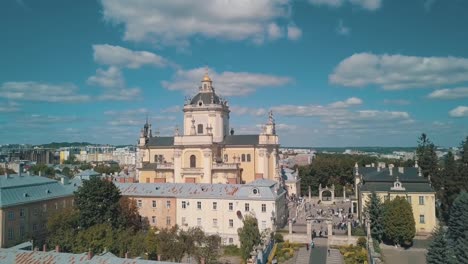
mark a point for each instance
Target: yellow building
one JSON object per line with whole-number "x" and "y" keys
{"x": 207, "y": 150}
{"x": 390, "y": 182}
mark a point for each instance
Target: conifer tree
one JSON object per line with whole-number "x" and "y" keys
{"x": 461, "y": 248}
{"x": 458, "y": 223}
{"x": 374, "y": 208}
{"x": 398, "y": 221}
{"x": 437, "y": 253}
{"x": 427, "y": 158}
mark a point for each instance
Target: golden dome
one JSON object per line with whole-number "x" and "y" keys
{"x": 206, "y": 78}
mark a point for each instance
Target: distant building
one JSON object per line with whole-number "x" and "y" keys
{"x": 216, "y": 208}
{"x": 25, "y": 203}
{"x": 292, "y": 181}
{"x": 391, "y": 182}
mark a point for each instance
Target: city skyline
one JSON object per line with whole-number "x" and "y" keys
{"x": 334, "y": 72}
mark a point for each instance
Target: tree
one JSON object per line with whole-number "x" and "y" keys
{"x": 98, "y": 203}
{"x": 427, "y": 157}
{"x": 97, "y": 238}
{"x": 458, "y": 223}
{"x": 209, "y": 251}
{"x": 374, "y": 210}
{"x": 129, "y": 216}
{"x": 71, "y": 160}
{"x": 61, "y": 228}
{"x": 437, "y": 252}
{"x": 448, "y": 183}
{"x": 398, "y": 221}
{"x": 169, "y": 246}
{"x": 67, "y": 172}
{"x": 150, "y": 244}
{"x": 461, "y": 249}
{"x": 249, "y": 236}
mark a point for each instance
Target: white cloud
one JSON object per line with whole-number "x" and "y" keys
{"x": 342, "y": 29}
{"x": 365, "y": 4}
{"x": 9, "y": 107}
{"x": 135, "y": 117}
{"x": 173, "y": 109}
{"x": 242, "y": 110}
{"x": 396, "y": 101}
{"x": 127, "y": 94}
{"x": 394, "y": 72}
{"x": 226, "y": 83}
{"x": 455, "y": 93}
{"x": 110, "y": 78}
{"x": 274, "y": 31}
{"x": 348, "y": 102}
{"x": 174, "y": 22}
{"x": 122, "y": 57}
{"x": 294, "y": 33}
{"x": 42, "y": 92}
{"x": 460, "y": 111}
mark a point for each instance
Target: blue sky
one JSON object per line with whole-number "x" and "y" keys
{"x": 335, "y": 72}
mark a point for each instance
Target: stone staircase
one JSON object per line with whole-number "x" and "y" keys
{"x": 335, "y": 257}
{"x": 303, "y": 256}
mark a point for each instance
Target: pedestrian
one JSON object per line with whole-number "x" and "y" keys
{"x": 307, "y": 246}
{"x": 328, "y": 252}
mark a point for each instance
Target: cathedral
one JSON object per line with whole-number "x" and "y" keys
{"x": 207, "y": 150}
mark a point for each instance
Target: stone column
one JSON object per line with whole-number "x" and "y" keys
{"x": 349, "y": 230}
{"x": 310, "y": 195}
{"x": 290, "y": 226}
{"x": 344, "y": 193}
{"x": 309, "y": 227}
{"x": 329, "y": 229}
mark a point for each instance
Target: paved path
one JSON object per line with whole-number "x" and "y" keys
{"x": 335, "y": 257}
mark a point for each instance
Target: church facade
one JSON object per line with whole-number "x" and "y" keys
{"x": 207, "y": 150}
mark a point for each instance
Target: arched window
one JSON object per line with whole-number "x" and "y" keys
{"x": 204, "y": 86}
{"x": 248, "y": 157}
{"x": 193, "y": 161}
{"x": 243, "y": 157}
{"x": 200, "y": 129}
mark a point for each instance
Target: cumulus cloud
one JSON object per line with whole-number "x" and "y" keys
{"x": 110, "y": 78}
{"x": 294, "y": 33}
{"x": 341, "y": 29}
{"x": 242, "y": 110}
{"x": 226, "y": 83}
{"x": 365, "y": 4}
{"x": 173, "y": 109}
{"x": 274, "y": 31}
{"x": 42, "y": 92}
{"x": 394, "y": 72}
{"x": 460, "y": 111}
{"x": 135, "y": 117}
{"x": 347, "y": 103}
{"x": 127, "y": 94}
{"x": 124, "y": 58}
{"x": 455, "y": 93}
{"x": 174, "y": 22}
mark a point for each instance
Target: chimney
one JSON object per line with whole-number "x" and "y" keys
{"x": 390, "y": 169}
{"x": 90, "y": 255}
{"x": 419, "y": 172}
{"x": 20, "y": 169}
{"x": 64, "y": 180}
{"x": 57, "y": 248}
{"x": 40, "y": 173}
{"x": 378, "y": 168}
{"x": 401, "y": 170}
{"x": 44, "y": 247}
{"x": 126, "y": 254}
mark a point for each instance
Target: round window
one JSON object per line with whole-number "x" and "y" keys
{"x": 255, "y": 191}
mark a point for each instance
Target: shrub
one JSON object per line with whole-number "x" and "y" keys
{"x": 358, "y": 231}
{"x": 231, "y": 250}
{"x": 362, "y": 242}
{"x": 279, "y": 238}
{"x": 376, "y": 244}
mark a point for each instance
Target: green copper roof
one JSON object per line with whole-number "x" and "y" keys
{"x": 15, "y": 189}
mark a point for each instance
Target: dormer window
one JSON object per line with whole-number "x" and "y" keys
{"x": 255, "y": 191}
{"x": 200, "y": 103}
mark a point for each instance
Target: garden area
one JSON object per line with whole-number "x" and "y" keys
{"x": 284, "y": 251}
{"x": 355, "y": 254}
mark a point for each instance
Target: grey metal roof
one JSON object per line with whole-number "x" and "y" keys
{"x": 16, "y": 189}
{"x": 52, "y": 257}
{"x": 371, "y": 174}
{"x": 385, "y": 187}
{"x": 161, "y": 141}
{"x": 241, "y": 140}
{"x": 266, "y": 190}
{"x": 206, "y": 98}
